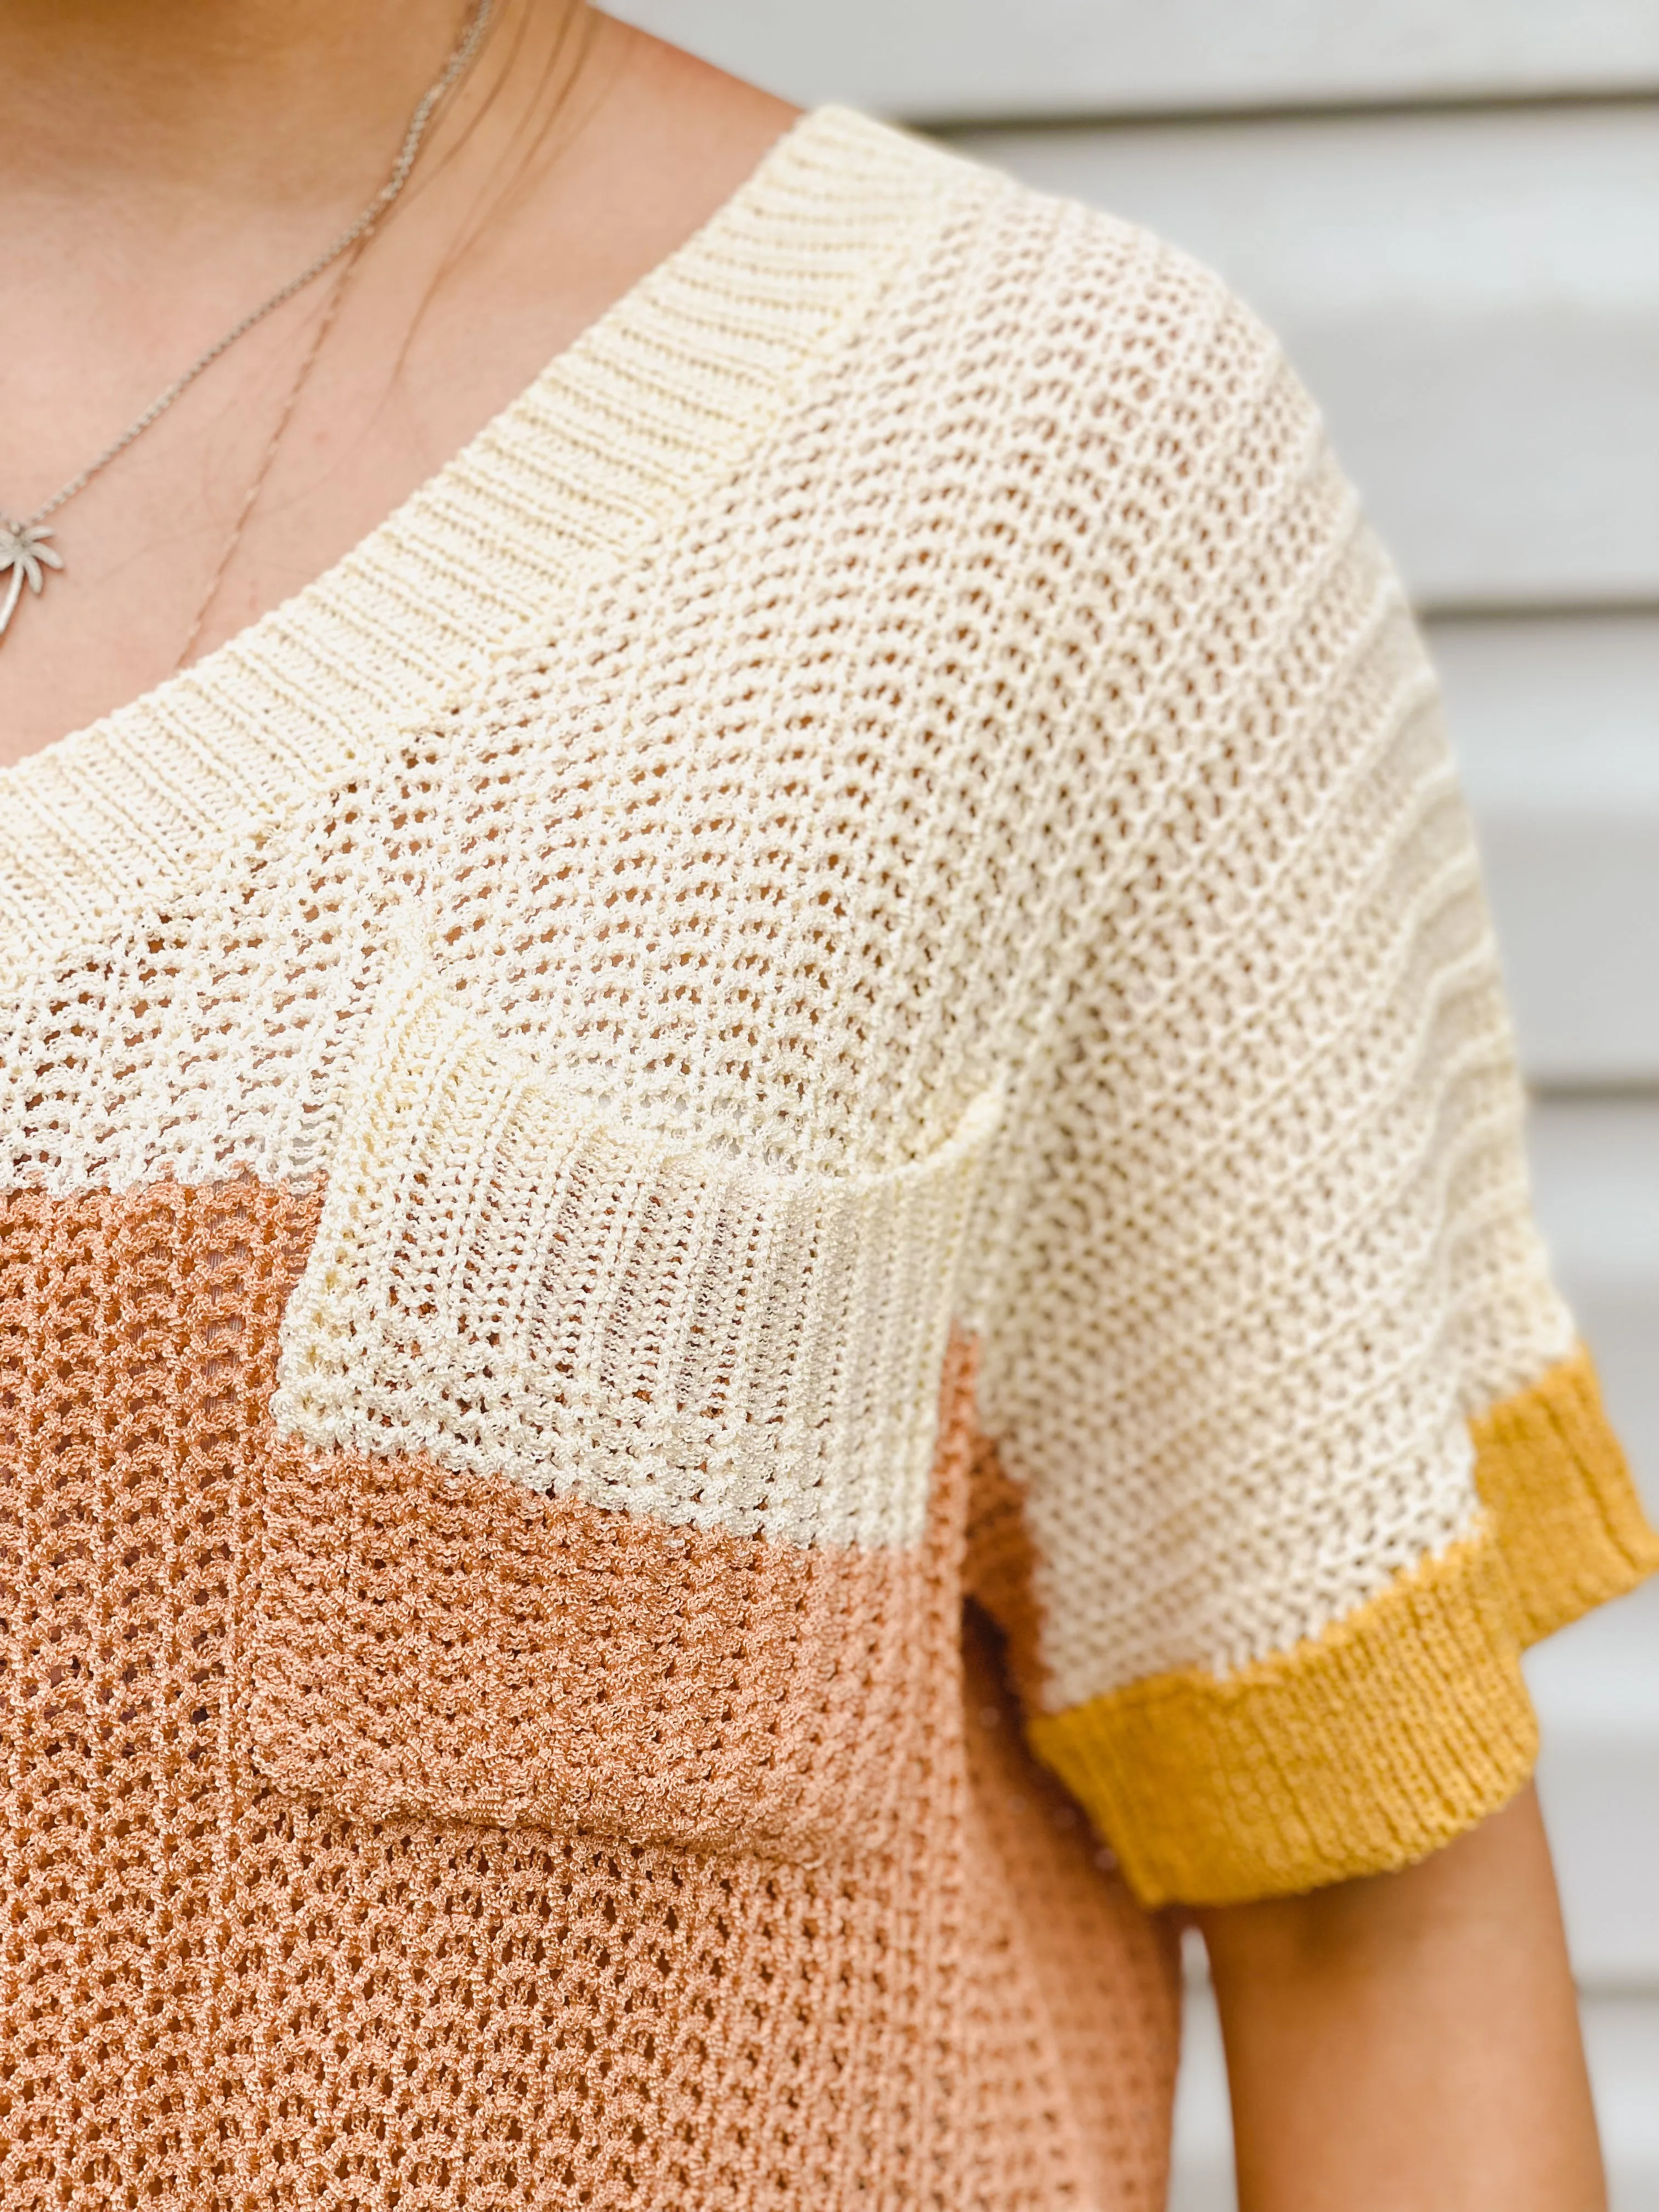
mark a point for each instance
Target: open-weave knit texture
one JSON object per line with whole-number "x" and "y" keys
{"x": 820, "y": 1041}
{"x": 223, "y": 1991}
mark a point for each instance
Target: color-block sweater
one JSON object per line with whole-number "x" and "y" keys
{"x": 765, "y": 1250}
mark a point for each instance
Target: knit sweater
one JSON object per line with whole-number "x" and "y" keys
{"x": 764, "y": 1252}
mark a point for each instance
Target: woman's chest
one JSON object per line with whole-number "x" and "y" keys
{"x": 566, "y": 1177}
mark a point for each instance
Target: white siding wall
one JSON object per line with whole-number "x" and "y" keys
{"x": 931, "y": 60}
{"x": 1473, "y": 297}
{"x": 1449, "y": 208}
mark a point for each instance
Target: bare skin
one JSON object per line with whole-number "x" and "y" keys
{"x": 1409, "y": 2042}
{"x": 162, "y": 168}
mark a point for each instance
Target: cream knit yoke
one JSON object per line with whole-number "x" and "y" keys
{"x": 764, "y": 1252}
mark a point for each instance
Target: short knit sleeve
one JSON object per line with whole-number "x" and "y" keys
{"x": 1298, "y": 1438}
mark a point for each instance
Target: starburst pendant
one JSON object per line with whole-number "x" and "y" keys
{"x": 24, "y": 551}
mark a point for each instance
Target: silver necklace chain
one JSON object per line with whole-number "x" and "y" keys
{"x": 21, "y": 547}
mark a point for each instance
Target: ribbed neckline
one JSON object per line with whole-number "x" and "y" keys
{"x": 666, "y": 389}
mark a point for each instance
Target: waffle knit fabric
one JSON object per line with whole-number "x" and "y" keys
{"x": 821, "y": 1037}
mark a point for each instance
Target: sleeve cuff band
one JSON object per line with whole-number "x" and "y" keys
{"x": 1399, "y": 1726}
{"x": 1550, "y": 1472}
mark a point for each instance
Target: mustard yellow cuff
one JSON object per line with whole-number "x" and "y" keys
{"x": 1399, "y": 1726}
{"x": 1550, "y": 1471}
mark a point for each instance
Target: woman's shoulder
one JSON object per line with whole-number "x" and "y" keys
{"x": 989, "y": 328}
{"x": 992, "y": 263}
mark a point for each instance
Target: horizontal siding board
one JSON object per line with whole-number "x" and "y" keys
{"x": 1556, "y": 726}
{"x": 1601, "y": 1800}
{"x": 1553, "y": 712}
{"x": 930, "y": 59}
{"x": 1621, "y": 2037}
{"x": 1595, "y": 1183}
{"x": 1473, "y": 300}
{"x": 1576, "y": 902}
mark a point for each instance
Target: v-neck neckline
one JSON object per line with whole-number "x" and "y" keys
{"x": 666, "y": 389}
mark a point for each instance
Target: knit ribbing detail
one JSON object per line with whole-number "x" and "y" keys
{"x": 1362, "y": 1749}
{"x": 511, "y": 1279}
{"x": 1401, "y": 1724}
{"x": 1552, "y": 1472}
{"x": 229, "y": 1992}
{"x": 666, "y": 389}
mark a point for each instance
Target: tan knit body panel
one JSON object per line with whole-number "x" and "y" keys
{"x": 224, "y": 1990}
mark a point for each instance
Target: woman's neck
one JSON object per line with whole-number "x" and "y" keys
{"x": 166, "y": 166}
{"x": 205, "y": 104}
{"x": 170, "y": 163}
